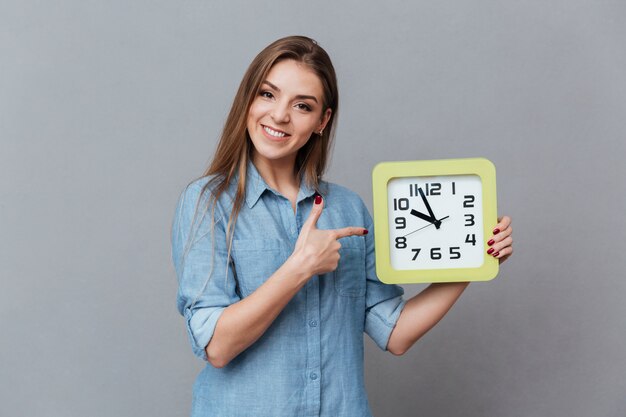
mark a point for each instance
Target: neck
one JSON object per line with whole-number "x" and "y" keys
{"x": 279, "y": 174}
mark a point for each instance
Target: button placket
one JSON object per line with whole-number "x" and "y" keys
{"x": 313, "y": 369}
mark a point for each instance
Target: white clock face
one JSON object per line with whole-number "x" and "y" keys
{"x": 435, "y": 222}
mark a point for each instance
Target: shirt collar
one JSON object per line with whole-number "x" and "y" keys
{"x": 256, "y": 186}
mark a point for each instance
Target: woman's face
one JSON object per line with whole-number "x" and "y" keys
{"x": 286, "y": 112}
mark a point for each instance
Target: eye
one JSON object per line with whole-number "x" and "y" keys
{"x": 266, "y": 94}
{"x": 303, "y": 106}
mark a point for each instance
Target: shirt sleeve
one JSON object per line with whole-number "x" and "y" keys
{"x": 383, "y": 302}
{"x": 205, "y": 277}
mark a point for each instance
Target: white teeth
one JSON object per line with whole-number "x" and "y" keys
{"x": 273, "y": 132}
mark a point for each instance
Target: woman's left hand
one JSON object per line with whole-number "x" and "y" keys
{"x": 501, "y": 244}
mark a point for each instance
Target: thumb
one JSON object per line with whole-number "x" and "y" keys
{"x": 316, "y": 212}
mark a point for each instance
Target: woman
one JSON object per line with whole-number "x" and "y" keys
{"x": 276, "y": 267}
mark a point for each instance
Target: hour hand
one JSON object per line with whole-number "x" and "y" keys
{"x": 423, "y": 216}
{"x": 429, "y": 219}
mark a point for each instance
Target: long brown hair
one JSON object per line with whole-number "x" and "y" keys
{"x": 234, "y": 148}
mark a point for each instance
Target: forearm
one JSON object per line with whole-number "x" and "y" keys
{"x": 243, "y": 323}
{"x": 421, "y": 313}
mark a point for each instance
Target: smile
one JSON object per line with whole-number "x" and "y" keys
{"x": 274, "y": 133}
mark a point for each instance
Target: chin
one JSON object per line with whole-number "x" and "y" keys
{"x": 263, "y": 152}
{"x": 273, "y": 151}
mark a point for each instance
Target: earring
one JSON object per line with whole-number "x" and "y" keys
{"x": 321, "y": 131}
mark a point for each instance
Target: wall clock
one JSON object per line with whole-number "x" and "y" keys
{"x": 432, "y": 220}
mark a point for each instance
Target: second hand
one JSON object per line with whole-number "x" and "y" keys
{"x": 424, "y": 227}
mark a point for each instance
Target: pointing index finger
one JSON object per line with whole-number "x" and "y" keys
{"x": 350, "y": 231}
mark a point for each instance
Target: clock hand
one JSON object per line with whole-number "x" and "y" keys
{"x": 424, "y": 227}
{"x": 423, "y": 216}
{"x": 437, "y": 223}
{"x": 430, "y": 210}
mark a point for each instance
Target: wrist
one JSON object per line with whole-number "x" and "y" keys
{"x": 296, "y": 268}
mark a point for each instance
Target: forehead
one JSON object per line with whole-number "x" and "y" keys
{"x": 296, "y": 78}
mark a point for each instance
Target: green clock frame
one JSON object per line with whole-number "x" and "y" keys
{"x": 385, "y": 171}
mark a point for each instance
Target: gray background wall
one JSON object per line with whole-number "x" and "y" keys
{"x": 107, "y": 109}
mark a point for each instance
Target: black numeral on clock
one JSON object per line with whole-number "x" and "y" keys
{"x": 471, "y": 238}
{"x": 401, "y": 242}
{"x": 433, "y": 188}
{"x": 400, "y": 203}
{"x": 469, "y": 220}
{"x": 468, "y": 201}
{"x": 436, "y": 254}
{"x": 400, "y": 223}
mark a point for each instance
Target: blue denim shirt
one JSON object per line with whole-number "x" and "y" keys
{"x": 309, "y": 362}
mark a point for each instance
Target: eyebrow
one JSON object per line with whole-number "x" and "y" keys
{"x": 300, "y": 96}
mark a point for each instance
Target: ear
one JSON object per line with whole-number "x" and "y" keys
{"x": 325, "y": 119}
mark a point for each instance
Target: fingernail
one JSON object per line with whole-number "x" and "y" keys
{"x": 318, "y": 199}
{"x": 491, "y": 242}
{"x": 496, "y": 231}
{"x": 490, "y": 251}
{"x": 365, "y": 231}
{"x": 496, "y": 254}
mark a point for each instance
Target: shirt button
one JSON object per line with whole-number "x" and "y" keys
{"x": 313, "y": 323}
{"x": 313, "y": 376}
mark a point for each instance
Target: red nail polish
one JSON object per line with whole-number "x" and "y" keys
{"x": 365, "y": 231}
{"x": 496, "y": 254}
{"x": 491, "y": 242}
{"x": 490, "y": 251}
{"x": 318, "y": 199}
{"x": 496, "y": 231}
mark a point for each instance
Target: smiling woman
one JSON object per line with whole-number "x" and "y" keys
{"x": 276, "y": 269}
{"x": 284, "y": 115}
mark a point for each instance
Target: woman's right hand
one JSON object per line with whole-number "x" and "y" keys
{"x": 316, "y": 250}
{"x": 243, "y": 322}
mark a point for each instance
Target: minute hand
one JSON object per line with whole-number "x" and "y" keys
{"x": 436, "y": 222}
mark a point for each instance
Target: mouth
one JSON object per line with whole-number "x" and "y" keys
{"x": 274, "y": 133}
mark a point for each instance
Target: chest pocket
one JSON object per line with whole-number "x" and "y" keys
{"x": 255, "y": 261}
{"x": 350, "y": 273}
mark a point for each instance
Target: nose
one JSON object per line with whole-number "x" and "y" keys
{"x": 280, "y": 113}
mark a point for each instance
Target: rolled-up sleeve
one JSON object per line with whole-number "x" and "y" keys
{"x": 383, "y": 302}
{"x": 205, "y": 279}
